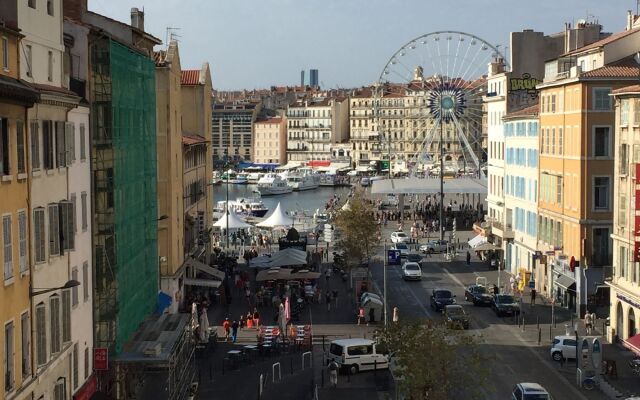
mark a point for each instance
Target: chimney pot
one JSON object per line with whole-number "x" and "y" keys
{"x": 137, "y": 18}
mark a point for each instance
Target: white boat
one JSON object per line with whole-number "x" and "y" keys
{"x": 235, "y": 178}
{"x": 273, "y": 184}
{"x": 254, "y": 177}
{"x": 303, "y": 180}
{"x": 328, "y": 179}
{"x": 242, "y": 206}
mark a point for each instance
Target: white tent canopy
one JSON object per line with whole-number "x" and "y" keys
{"x": 277, "y": 218}
{"x": 477, "y": 241}
{"x": 234, "y": 222}
{"x": 429, "y": 186}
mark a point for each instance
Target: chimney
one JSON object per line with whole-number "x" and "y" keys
{"x": 629, "y": 20}
{"x": 137, "y": 18}
{"x": 74, "y": 9}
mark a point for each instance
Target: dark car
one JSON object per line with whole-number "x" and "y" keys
{"x": 441, "y": 298}
{"x": 413, "y": 257}
{"x": 504, "y": 304}
{"x": 455, "y": 316}
{"x": 478, "y": 295}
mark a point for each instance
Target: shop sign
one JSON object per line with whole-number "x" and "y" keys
{"x": 628, "y": 300}
{"x": 101, "y": 359}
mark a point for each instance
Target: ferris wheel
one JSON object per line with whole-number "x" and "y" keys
{"x": 428, "y": 102}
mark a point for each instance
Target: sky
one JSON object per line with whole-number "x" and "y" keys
{"x": 252, "y": 44}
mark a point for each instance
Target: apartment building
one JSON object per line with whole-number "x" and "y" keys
{"x": 363, "y": 131}
{"x": 232, "y": 131}
{"x": 270, "y": 141}
{"x": 576, "y": 178}
{"x": 15, "y": 313}
{"x": 625, "y": 290}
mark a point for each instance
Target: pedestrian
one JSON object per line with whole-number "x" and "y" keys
{"x": 533, "y": 296}
{"x": 334, "y": 293}
{"x": 247, "y": 295}
{"x": 333, "y": 373}
{"x": 360, "y": 317}
{"x": 495, "y": 289}
{"x": 234, "y": 331}
{"x": 468, "y": 258}
{"x": 226, "y": 325}
{"x": 256, "y": 318}
{"x": 588, "y": 322}
{"x": 242, "y": 322}
{"x": 395, "y": 314}
{"x": 327, "y": 274}
{"x": 372, "y": 315}
{"x": 327, "y": 297}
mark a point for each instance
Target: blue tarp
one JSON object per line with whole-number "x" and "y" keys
{"x": 164, "y": 301}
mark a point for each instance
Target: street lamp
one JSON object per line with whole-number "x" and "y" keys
{"x": 38, "y": 291}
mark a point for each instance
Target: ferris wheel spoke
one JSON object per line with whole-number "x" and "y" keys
{"x": 462, "y": 137}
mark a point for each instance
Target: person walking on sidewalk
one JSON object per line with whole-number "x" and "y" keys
{"x": 226, "y": 325}
{"x": 234, "y": 331}
{"x": 334, "y": 294}
{"x": 588, "y": 322}
{"x": 360, "y": 315}
{"x": 395, "y": 314}
{"x": 468, "y": 258}
{"x": 533, "y": 296}
{"x": 333, "y": 373}
{"x": 327, "y": 297}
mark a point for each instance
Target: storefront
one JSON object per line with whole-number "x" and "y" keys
{"x": 625, "y": 314}
{"x": 563, "y": 283}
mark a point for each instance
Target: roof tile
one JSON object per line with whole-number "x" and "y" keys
{"x": 190, "y": 77}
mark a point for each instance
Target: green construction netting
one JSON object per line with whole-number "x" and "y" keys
{"x": 134, "y": 179}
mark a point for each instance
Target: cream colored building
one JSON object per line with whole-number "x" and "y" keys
{"x": 170, "y": 169}
{"x": 625, "y": 283}
{"x": 270, "y": 141}
{"x": 363, "y": 131}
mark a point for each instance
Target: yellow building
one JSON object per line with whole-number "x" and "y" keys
{"x": 625, "y": 283}
{"x": 576, "y": 166}
{"x": 170, "y": 169}
{"x": 270, "y": 141}
{"x": 15, "y": 98}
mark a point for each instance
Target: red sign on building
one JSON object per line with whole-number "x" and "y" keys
{"x": 636, "y": 252}
{"x": 101, "y": 359}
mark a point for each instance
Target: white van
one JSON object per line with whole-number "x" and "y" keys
{"x": 356, "y": 355}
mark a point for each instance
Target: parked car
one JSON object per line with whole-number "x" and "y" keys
{"x": 441, "y": 298}
{"x": 530, "y": 391}
{"x": 411, "y": 271}
{"x": 455, "y": 316}
{"x": 404, "y": 249}
{"x": 399, "y": 237}
{"x": 505, "y": 304}
{"x": 414, "y": 257}
{"x": 434, "y": 246}
{"x": 478, "y": 295}
{"x": 563, "y": 346}
{"x": 356, "y": 355}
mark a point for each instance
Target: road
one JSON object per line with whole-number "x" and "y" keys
{"x": 516, "y": 355}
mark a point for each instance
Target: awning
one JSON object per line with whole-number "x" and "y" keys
{"x": 566, "y": 282}
{"x": 633, "y": 344}
{"x": 429, "y": 186}
{"x": 202, "y": 282}
{"x": 285, "y": 274}
{"x": 362, "y": 168}
{"x": 485, "y": 247}
{"x": 290, "y": 165}
{"x": 216, "y": 273}
{"x": 477, "y": 241}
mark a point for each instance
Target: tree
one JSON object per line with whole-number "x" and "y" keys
{"x": 357, "y": 229}
{"x": 434, "y": 362}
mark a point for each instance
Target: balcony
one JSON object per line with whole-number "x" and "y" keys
{"x": 505, "y": 231}
{"x": 303, "y": 148}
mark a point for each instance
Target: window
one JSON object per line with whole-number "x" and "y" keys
{"x": 83, "y": 143}
{"x": 54, "y": 305}
{"x": 22, "y": 240}
{"x": 623, "y": 160}
{"x": 560, "y": 141}
{"x": 74, "y": 204}
{"x": 50, "y": 66}
{"x": 86, "y": 362}
{"x": 28, "y": 55}
{"x": 553, "y": 140}
{"x": 47, "y": 144}
{"x": 35, "y": 146}
{"x": 601, "y": 192}
{"x": 39, "y": 241}
{"x": 622, "y": 209}
{"x": 624, "y": 112}
{"x": 61, "y": 145}
{"x": 74, "y": 290}
{"x": 25, "y": 331}
{"x": 9, "y": 354}
{"x": 20, "y": 145}
{"x": 5, "y": 53}
{"x": 65, "y": 222}
{"x": 70, "y": 142}
{"x": 50, "y": 7}
{"x": 83, "y": 204}
{"x": 558, "y": 190}
{"x": 59, "y": 390}
{"x": 601, "y": 99}
{"x": 66, "y": 315}
{"x": 5, "y": 169}
{"x": 41, "y": 334}
{"x": 32, "y": 3}
{"x": 85, "y": 280}
{"x": 601, "y": 141}
{"x": 636, "y": 112}
{"x": 6, "y": 246}
{"x": 75, "y": 366}
{"x": 600, "y": 247}
{"x": 54, "y": 230}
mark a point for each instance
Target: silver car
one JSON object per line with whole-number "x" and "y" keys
{"x": 411, "y": 271}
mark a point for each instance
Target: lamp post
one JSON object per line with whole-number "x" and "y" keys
{"x": 384, "y": 290}
{"x": 33, "y": 292}
{"x": 441, "y": 224}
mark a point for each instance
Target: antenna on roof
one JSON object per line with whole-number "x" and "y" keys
{"x": 170, "y": 34}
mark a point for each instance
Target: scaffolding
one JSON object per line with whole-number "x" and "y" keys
{"x": 123, "y": 158}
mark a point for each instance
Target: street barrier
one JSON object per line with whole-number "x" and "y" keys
{"x": 273, "y": 372}
{"x": 305, "y": 354}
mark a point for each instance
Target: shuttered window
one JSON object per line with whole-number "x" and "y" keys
{"x": 74, "y": 290}
{"x": 5, "y": 150}
{"x": 66, "y": 315}
{"x": 75, "y": 366}
{"x": 85, "y": 280}
{"x": 83, "y": 204}
{"x": 41, "y": 334}
{"x": 20, "y": 147}
{"x": 47, "y": 144}
{"x": 22, "y": 237}
{"x": 66, "y": 225}
{"x": 54, "y": 307}
{"x": 70, "y": 142}
{"x": 61, "y": 148}
{"x": 9, "y": 357}
{"x": 39, "y": 240}
{"x": 25, "y": 330}
{"x": 83, "y": 143}
{"x": 54, "y": 230}
{"x": 35, "y": 145}
{"x": 74, "y": 204}
{"x": 6, "y": 247}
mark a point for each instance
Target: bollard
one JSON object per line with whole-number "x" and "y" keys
{"x": 375, "y": 368}
{"x": 550, "y": 333}
{"x": 538, "y": 321}
{"x": 554, "y": 320}
{"x": 291, "y": 362}
{"x": 323, "y": 336}
{"x": 523, "y": 324}
{"x": 539, "y": 336}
